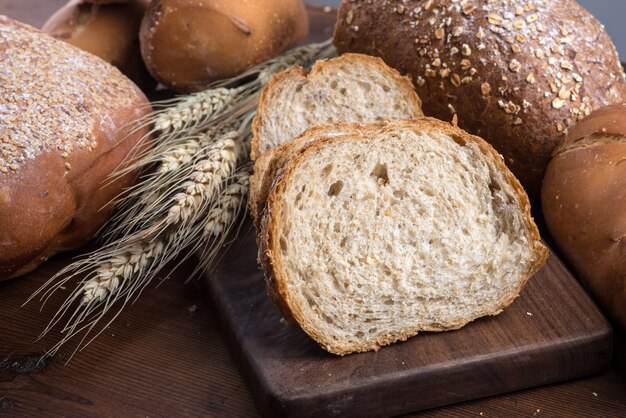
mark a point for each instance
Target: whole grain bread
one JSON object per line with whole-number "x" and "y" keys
{"x": 402, "y": 227}
{"x": 518, "y": 73}
{"x": 66, "y": 123}
{"x": 351, "y": 88}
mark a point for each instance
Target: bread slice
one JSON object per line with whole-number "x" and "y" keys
{"x": 266, "y": 166}
{"x": 403, "y": 227}
{"x": 350, "y": 88}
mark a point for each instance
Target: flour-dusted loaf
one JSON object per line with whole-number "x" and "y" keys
{"x": 403, "y": 227}
{"x": 65, "y": 120}
{"x": 517, "y": 73}
{"x": 350, "y": 88}
{"x": 584, "y": 205}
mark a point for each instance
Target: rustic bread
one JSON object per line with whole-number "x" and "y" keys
{"x": 109, "y": 31}
{"x": 407, "y": 226}
{"x": 584, "y": 205}
{"x": 65, "y": 117}
{"x": 350, "y": 88}
{"x": 269, "y": 164}
{"x": 518, "y": 73}
{"x": 188, "y": 44}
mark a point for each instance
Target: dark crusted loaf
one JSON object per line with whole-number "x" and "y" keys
{"x": 518, "y": 73}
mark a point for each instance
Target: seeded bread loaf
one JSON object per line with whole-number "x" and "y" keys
{"x": 518, "y": 73}
{"x": 584, "y": 205}
{"x": 109, "y": 31}
{"x": 350, "y": 88}
{"x": 65, "y": 117}
{"x": 405, "y": 226}
{"x": 188, "y": 44}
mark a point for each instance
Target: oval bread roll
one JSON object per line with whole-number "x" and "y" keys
{"x": 110, "y": 32}
{"x": 517, "y": 73}
{"x": 65, "y": 117}
{"x": 187, "y": 44}
{"x": 584, "y": 205}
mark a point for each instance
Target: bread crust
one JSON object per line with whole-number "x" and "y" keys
{"x": 584, "y": 205}
{"x": 189, "y": 44}
{"x": 54, "y": 196}
{"x": 319, "y": 67}
{"x": 517, "y": 73}
{"x": 270, "y": 248}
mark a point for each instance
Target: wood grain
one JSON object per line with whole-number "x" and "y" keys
{"x": 164, "y": 356}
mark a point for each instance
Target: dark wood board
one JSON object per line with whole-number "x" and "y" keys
{"x": 552, "y": 332}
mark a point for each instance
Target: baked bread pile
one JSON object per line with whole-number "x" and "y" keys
{"x": 65, "y": 121}
{"x": 519, "y": 73}
{"x": 185, "y": 44}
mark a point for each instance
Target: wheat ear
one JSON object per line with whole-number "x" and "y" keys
{"x": 197, "y": 164}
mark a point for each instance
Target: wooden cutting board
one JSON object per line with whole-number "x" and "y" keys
{"x": 552, "y": 332}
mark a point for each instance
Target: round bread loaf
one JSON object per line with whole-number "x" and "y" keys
{"x": 65, "y": 117}
{"x": 188, "y": 44}
{"x": 518, "y": 73}
{"x": 584, "y": 205}
{"x": 109, "y": 31}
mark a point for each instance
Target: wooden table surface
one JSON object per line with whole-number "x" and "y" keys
{"x": 165, "y": 356}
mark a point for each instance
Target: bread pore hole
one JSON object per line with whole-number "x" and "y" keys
{"x": 367, "y": 87}
{"x": 284, "y": 247}
{"x": 335, "y": 188}
{"x": 380, "y": 175}
{"x": 459, "y": 140}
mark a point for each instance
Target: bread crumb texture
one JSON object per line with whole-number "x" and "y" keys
{"x": 402, "y": 229}
{"x": 52, "y": 96}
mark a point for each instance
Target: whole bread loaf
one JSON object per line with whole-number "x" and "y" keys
{"x": 65, "y": 118}
{"x": 584, "y": 205}
{"x": 188, "y": 44}
{"x": 518, "y": 73}
{"x": 401, "y": 227}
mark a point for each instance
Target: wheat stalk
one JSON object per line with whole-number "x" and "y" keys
{"x": 194, "y": 186}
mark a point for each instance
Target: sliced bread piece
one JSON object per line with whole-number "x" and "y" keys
{"x": 406, "y": 226}
{"x": 350, "y": 88}
{"x": 266, "y": 166}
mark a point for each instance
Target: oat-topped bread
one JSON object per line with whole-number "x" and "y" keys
{"x": 403, "y": 227}
{"x": 65, "y": 118}
{"x": 518, "y": 73}
{"x": 350, "y": 88}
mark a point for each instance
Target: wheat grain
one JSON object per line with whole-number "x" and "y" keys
{"x": 121, "y": 266}
{"x": 228, "y": 205}
{"x": 195, "y": 108}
